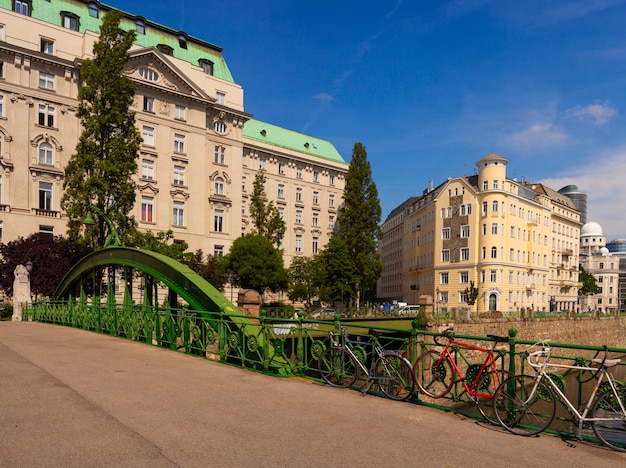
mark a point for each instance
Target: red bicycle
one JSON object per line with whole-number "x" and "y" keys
{"x": 436, "y": 372}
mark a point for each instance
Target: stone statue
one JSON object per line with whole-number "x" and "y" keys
{"x": 21, "y": 291}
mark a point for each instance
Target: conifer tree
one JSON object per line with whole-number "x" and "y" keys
{"x": 100, "y": 172}
{"x": 359, "y": 221}
{"x": 265, "y": 216}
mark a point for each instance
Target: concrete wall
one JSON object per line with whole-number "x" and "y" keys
{"x": 608, "y": 331}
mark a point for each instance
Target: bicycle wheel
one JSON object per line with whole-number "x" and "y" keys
{"x": 488, "y": 385}
{"x": 520, "y": 410}
{"x": 395, "y": 376}
{"x": 433, "y": 374}
{"x": 610, "y": 427}
{"x": 337, "y": 367}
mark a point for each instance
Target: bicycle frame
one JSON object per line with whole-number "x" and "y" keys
{"x": 541, "y": 373}
{"x": 489, "y": 362}
{"x": 375, "y": 346}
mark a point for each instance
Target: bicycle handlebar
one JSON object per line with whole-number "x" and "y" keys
{"x": 447, "y": 333}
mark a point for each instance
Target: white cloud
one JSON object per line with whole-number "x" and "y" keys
{"x": 324, "y": 97}
{"x": 538, "y": 135}
{"x": 602, "y": 178}
{"x": 599, "y": 113}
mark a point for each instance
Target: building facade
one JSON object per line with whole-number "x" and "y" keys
{"x": 516, "y": 242}
{"x": 201, "y": 150}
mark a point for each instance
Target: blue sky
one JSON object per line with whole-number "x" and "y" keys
{"x": 430, "y": 87}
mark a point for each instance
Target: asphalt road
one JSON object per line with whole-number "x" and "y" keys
{"x": 73, "y": 398}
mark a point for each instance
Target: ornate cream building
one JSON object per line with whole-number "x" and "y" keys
{"x": 517, "y": 242}
{"x": 201, "y": 150}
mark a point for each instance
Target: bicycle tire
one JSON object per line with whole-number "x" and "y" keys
{"x": 337, "y": 367}
{"x": 518, "y": 413}
{"x": 395, "y": 376}
{"x": 433, "y": 375}
{"x": 486, "y": 385}
{"x": 612, "y": 429}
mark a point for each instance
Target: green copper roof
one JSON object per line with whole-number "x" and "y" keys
{"x": 277, "y": 136}
{"x": 197, "y": 49}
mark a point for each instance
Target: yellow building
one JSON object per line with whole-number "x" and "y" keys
{"x": 515, "y": 241}
{"x": 200, "y": 151}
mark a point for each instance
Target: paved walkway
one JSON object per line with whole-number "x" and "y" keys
{"x": 73, "y": 398}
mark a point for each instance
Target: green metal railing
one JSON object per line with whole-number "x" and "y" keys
{"x": 291, "y": 346}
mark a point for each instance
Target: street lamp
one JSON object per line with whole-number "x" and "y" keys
{"x": 113, "y": 238}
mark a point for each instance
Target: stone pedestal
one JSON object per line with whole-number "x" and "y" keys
{"x": 249, "y": 302}
{"x": 21, "y": 291}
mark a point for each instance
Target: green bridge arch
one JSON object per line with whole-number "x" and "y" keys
{"x": 218, "y": 317}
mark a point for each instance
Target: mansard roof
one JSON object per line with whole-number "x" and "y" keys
{"x": 281, "y": 137}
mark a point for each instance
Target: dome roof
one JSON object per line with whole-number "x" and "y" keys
{"x": 591, "y": 229}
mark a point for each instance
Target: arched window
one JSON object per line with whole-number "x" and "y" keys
{"x": 45, "y": 153}
{"x": 494, "y": 252}
{"x": 219, "y": 186}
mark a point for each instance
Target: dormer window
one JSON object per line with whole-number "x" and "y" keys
{"x": 167, "y": 50}
{"x": 70, "y": 20}
{"x": 140, "y": 26}
{"x": 148, "y": 74}
{"x": 207, "y": 66}
{"x": 23, "y": 7}
{"x": 93, "y": 10}
{"x": 182, "y": 41}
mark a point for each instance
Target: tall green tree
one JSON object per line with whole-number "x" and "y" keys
{"x": 340, "y": 272}
{"x": 359, "y": 221}
{"x": 100, "y": 172}
{"x": 214, "y": 269}
{"x": 265, "y": 216}
{"x": 588, "y": 281}
{"x": 256, "y": 264}
{"x": 307, "y": 279}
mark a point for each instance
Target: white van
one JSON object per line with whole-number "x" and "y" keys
{"x": 409, "y": 311}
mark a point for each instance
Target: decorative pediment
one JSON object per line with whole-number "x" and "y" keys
{"x": 148, "y": 188}
{"x": 151, "y": 68}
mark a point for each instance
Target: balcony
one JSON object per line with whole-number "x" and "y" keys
{"x": 46, "y": 213}
{"x": 567, "y": 252}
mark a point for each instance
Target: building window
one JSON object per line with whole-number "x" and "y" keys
{"x": 243, "y": 207}
{"x": 46, "y": 115}
{"x": 165, "y": 49}
{"x": 484, "y": 229}
{"x": 444, "y": 278}
{"x": 464, "y": 277}
{"x": 46, "y": 230}
{"x": 147, "y": 133}
{"x": 148, "y": 104}
{"x": 93, "y": 10}
{"x": 218, "y": 221}
{"x": 315, "y": 245}
{"x": 483, "y": 252}
{"x": 315, "y": 218}
{"x": 220, "y": 98}
{"x": 485, "y": 205}
{"x": 219, "y": 127}
{"x": 445, "y": 233}
{"x": 331, "y": 179}
{"x": 465, "y": 230}
{"x": 465, "y": 253}
{"x": 445, "y": 255}
{"x": 147, "y": 207}
{"x": 1, "y": 105}
{"x": 281, "y": 168}
{"x": 47, "y": 46}
{"x": 463, "y": 297}
{"x": 179, "y": 175}
{"x": 262, "y": 164}
{"x": 281, "y": 191}
{"x": 220, "y": 155}
{"x": 179, "y": 112}
{"x": 331, "y": 222}
{"x": 70, "y": 20}
{"x": 298, "y": 194}
{"x": 206, "y": 65}
{"x": 485, "y": 184}
{"x": 147, "y": 169}
{"x": 179, "y": 143}
{"x": 494, "y": 206}
{"x": 182, "y": 42}
{"x": 298, "y": 216}
{"x": 298, "y": 173}
{"x": 512, "y": 254}
{"x": 316, "y": 197}
{"x": 316, "y": 176}
{"x": 45, "y": 153}
{"x": 46, "y": 80}
{"x": 494, "y": 252}
{"x": 493, "y": 276}
{"x": 178, "y": 213}
{"x": 494, "y": 228}
{"x": 243, "y": 183}
{"x": 219, "y": 186}
{"x": 331, "y": 201}
{"x": 298, "y": 243}
{"x": 218, "y": 251}
{"x": 22, "y": 7}
{"x": 495, "y": 185}
{"x": 45, "y": 196}
{"x": 140, "y": 26}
